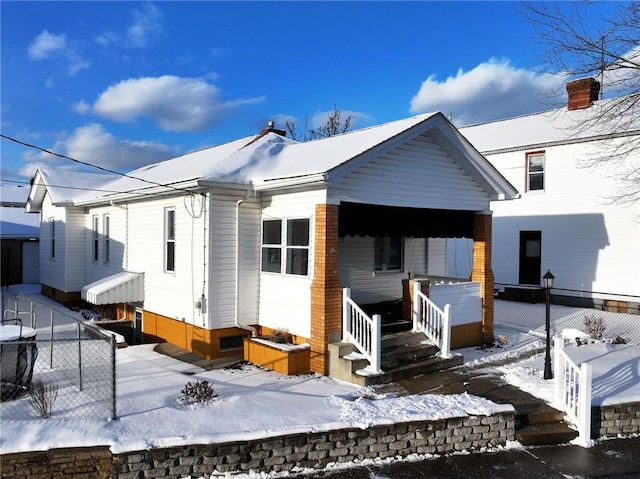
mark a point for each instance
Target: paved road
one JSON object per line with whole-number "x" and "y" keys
{"x": 616, "y": 458}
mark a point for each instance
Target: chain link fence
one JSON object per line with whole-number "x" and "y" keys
{"x": 63, "y": 362}
{"x": 525, "y": 308}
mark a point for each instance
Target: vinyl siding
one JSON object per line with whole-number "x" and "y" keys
{"x": 285, "y": 300}
{"x": 588, "y": 243}
{"x": 356, "y": 269}
{"x": 52, "y": 270}
{"x": 417, "y": 174}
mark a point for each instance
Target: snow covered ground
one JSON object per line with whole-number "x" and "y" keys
{"x": 254, "y": 403}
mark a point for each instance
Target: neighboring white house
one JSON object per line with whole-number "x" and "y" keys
{"x": 565, "y": 220}
{"x": 263, "y": 233}
{"x": 19, "y": 237}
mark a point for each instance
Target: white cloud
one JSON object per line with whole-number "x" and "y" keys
{"x": 45, "y": 44}
{"x": 173, "y": 103}
{"x": 94, "y": 145}
{"x": 81, "y": 107}
{"x": 147, "y": 22}
{"x": 492, "y": 90}
{"x": 107, "y": 38}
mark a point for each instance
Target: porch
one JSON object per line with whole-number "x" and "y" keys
{"x": 366, "y": 355}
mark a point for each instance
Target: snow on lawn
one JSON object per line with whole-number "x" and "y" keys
{"x": 251, "y": 403}
{"x": 254, "y": 403}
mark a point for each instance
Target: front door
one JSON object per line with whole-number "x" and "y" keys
{"x": 530, "y": 257}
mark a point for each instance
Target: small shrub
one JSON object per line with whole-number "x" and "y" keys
{"x": 198, "y": 392}
{"x": 43, "y": 397}
{"x": 280, "y": 336}
{"x": 595, "y": 325}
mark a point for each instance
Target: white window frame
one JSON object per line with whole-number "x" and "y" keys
{"x": 52, "y": 237}
{"x": 300, "y": 249}
{"x": 531, "y": 174}
{"x": 106, "y": 238}
{"x": 95, "y": 255}
{"x": 279, "y": 256}
{"x": 169, "y": 242}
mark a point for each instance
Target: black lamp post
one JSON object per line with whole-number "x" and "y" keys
{"x": 547, "y": 283}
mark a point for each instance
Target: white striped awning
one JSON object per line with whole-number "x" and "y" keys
{"x": 123, "y": 287}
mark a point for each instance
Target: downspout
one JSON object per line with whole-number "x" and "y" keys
{"x": 237, "y": 260}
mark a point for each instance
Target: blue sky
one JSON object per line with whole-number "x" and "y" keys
{"x": 123, "y": 84}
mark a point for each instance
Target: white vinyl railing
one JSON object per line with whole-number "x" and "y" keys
{"x": 434, "y": 322}
{"x": 572, "y": 384}
{"x": 362, "y": 331}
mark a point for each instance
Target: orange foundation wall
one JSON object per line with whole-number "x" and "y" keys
{"x": 203, "y": 342}
{"x": 466, "y": 335}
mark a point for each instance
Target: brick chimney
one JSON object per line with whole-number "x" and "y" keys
{"x": 582, "y": 93}
{"x": 270, "y": 129}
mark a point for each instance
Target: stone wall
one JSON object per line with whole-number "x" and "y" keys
{"x": 611, "y": 421}
{"x": 283, "y": 453}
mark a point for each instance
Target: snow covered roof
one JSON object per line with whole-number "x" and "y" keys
{"x": 270, "y": 160}
{"x": 14, "y": 222}
{"x": 551, "y": 127}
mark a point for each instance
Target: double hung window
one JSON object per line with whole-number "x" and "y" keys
{"x": 105, "y": 237}
{"x": 170, "y": 239}
{"x": 535, "y": 171}
{"x": 95, "y": 241}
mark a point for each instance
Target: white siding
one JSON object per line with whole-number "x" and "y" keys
{"x": 464, "y": 299}
{"x": 222, "y": 282}
{"x": 356, "y": 269}
{"x": 172, "y": 294}
{"x": 75, "y": 249}
{"x": 285, "y": 300}
{"x": 117, "y": 243}
{"x": 588, "y": 243}
{"x": 417, "y": 174}
{"x": 52, "y": 270}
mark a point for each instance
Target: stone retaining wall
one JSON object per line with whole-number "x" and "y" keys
{"x": 611, "y": 421}
{"x": 283, "y": 453}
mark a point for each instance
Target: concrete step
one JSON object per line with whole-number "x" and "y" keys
{"x": 401, "y": 338}
{"x": 395, "y": 356}
{"x": 412, "y": 369}
{"x": 545, "y": 434}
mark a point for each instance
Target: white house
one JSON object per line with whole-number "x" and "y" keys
{"x": 565, "y": 220}
{"x": 263, "y": 233}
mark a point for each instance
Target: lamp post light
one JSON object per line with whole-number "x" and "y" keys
{"x": 547, "y": 283}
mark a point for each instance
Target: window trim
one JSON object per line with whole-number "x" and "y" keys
{"x": 106, "y": 238}
{"x": 52, "y": 237}
{"x": 95, "y": 239}
{"x": 285, "y": 248}
{"x": 169, "y": 238}
{"x": 529, "y": 174}
{"x": 291, "y": 248}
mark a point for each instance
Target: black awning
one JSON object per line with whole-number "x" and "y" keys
{"x": 374, "y": 220}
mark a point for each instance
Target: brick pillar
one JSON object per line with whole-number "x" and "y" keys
{"x": 482, "y": 271}
{"x": 326, "y": 290}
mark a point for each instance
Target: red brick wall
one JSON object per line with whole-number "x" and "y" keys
{"x": 326, "y": 290}
{"x": 483, "y": 273}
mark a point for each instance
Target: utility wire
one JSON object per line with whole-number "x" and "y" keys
{"x": 59, "y": 155}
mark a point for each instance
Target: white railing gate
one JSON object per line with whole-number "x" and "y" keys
{"x": 572, "y": 384}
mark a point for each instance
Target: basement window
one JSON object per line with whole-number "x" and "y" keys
{"x": 229, "y": 343}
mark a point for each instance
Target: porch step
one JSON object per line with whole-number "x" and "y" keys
{"x": 545, "y": 434}
{"x": 404, "y": 355}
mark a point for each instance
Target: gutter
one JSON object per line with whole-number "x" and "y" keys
{"x": 237, "y": 261}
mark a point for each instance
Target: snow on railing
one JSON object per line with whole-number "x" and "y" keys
{"x": 572, "y": 384}
{"x": 362, "y": 331}
{"x": 434, "y": 322}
